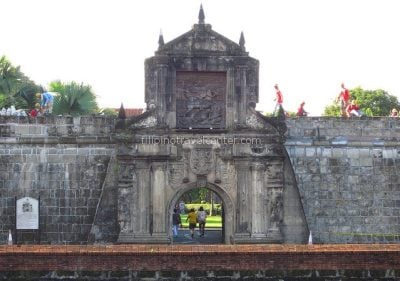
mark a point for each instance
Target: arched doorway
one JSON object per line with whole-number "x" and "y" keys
{"x": 222, "y": 208}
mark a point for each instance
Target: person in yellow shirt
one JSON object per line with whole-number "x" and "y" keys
{"x": 192, "y": 218}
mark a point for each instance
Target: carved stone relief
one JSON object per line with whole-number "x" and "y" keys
{"x": 228, "y": 176}
{"x": 127, "y": 187}
{"x": 201, "y": 161}
{"x": 200, "y": 99}
{"x": 175, "y": 175}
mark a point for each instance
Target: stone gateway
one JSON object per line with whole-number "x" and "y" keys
{"x": 201, "y": 130}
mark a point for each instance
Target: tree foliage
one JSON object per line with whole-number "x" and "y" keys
{"x": 109, "y": 112}
{"x": 371, "y": 102}
{"x": 15, "y": 87}
{"x": 73, "y": 98}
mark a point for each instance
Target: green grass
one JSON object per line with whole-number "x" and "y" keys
{"x": 212, "y": 221}
{"x": 206, "y": 206}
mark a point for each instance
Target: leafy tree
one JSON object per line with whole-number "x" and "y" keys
{"x": 372, "y": 102}
{"x": 73, "y": 98}
{"x": 15, "y": 87}
{"x": 332, "y": 109}
{"x": 109, "y": 112}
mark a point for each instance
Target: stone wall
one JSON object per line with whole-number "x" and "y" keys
{"x": 347, "y": 175}
{"x": 63, "y": 161}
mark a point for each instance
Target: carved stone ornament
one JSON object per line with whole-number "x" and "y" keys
{"x": 253, "y": 122}
{"x": 201, "y": 161}
{"x": 175, "y": 175}
{"x": 228, "y": 175}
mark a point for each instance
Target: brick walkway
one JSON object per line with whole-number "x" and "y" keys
{"x": 192, "y": 257}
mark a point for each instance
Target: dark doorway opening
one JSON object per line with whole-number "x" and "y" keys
{"x": 195, "y": 200}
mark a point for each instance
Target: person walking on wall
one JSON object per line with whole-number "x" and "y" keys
{"x": 344, "y": 100}
{"x": 176, "y": 222}
{"x": 201, "y": 218}
{"x": 354, "y": 110}
{"x": 301, "y": 111}
{"x": 46, "y": 102}
{"x": 278, "y": 99}
{"x": 192, "y": 218}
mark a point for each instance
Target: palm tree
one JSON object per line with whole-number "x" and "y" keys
{"x": 15, "y": 88}
{"x": 73, "y": 98}
{"x": 9, "y": 79}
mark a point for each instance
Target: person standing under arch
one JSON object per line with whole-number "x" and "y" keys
{"x": 176, "y": 222}
{"x": 192, "y": 218}
{"x": 201, "y": 218}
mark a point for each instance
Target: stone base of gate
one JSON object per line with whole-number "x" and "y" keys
{"x": 256, "y": 238}
{"x": 144, "y": 238}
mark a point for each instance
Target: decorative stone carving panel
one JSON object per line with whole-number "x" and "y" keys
{"x": 200, "y": 99}
{"x": 201, "y": 161}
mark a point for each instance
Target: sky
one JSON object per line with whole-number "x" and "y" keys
{"x": 307, "y": 47}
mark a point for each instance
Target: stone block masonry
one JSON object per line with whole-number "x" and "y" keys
{"x": 347, "y": 175}
{"x": 346, "y": 172}
{"x": 64, "y": 162}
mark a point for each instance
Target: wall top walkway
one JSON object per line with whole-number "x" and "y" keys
{"x": 303, "y": 131}
{"x": 336, "y": 131}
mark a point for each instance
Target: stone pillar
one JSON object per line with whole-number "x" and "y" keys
{"x": 186, "y": 153}
{"x": 243, "y": 95}
{"x": 138, "y": 205}
{"x": 243, "y": 210}
{"x": 230, "y": 99}
{"x": 127, "y": 193}
{"x": 218, "y": 165}
{"x": 275, "y": 200}
{"x": 158, "y": 197}
{"x": 257, "y": 200}
{"x": 161, "y": 87}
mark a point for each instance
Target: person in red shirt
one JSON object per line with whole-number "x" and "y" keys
{"x": 35, "y": 111}
{"x": 278, "y": 99}
{"x": 353, "y": 109}
{"x": 344, "y": 99}
{"x": 301, "y": 111}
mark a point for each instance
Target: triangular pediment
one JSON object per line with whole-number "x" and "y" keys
{"x": 201, "y": 40}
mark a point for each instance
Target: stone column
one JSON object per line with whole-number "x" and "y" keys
{"x": 243, "y": 95}
{"x": 275, "y": 200}
{"x": 133, "y": 211}
{"x": 218, "y": 166}
{"x": 161, "y": 87}
{"x": 257, "y": 200}
{"x": 243, "y": 219}
{"x": 158, "y": 197}
{"x": 186, "y": 152}
{"x": 127, "y": 188}
{"x": 230, "y": 98}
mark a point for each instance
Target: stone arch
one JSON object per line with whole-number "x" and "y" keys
{"x": 228, "y": 206}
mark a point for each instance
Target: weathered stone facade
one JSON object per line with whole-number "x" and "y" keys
{"x": 201, "y": 130}
{"x": 347, "y": 174}
{"x": 62, "y": 161}
{"x": 351, "y": 204}
{"x": 117, "y": 181}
